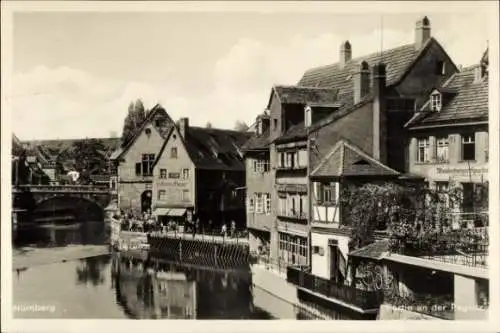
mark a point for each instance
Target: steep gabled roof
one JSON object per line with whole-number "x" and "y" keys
{"x": 469, "y": 101}
{"x": 163, "y": 129}
{"x": 212, "y": 148}
{"x": 339, "y": 76}
{"x": 398, "y": 63}
{"x": 346, "y": 159}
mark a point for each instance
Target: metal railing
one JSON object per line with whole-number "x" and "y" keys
{"x": 467, "y": 247}
{"x": 347, "y": 294}
{"x": 65, "y": 188}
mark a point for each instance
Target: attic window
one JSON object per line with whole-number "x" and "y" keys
{"x": 361, "y": 162}
{"x": 259, "y": 127}
{"x": 440, "y": 68}
{"x": 436, "y": 101}
{"x": 148, "y": 131}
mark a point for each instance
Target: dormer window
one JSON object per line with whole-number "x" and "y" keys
{"x": 259, "y": 127}
{"x": 307, "y": 116}
{"x": 436, "y": 101}
{"x": 440, "y": 68}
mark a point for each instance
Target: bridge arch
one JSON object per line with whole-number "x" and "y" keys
{"x": 68, "y": 207}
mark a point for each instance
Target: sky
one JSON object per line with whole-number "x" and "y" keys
{"x": 75, "y": 73}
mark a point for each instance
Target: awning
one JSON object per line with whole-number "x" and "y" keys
{"x": 169, "y": 211}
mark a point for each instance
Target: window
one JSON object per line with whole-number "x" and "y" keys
{"x": 163, "y": 173}
{"x": 440, "y": 68}
{"x": 275, "y": 124}
{"x": 436, "y": 101}
{"x": 251, "y": 204}
{"x": 185, "y": 174}
{"x": 308, "y": 116}
{"x": 442, "y": 149}
{"x": 259, "y": 202}
{"x": 468, "y": 148}
{"x": 423, "y": 150}
{"x": 267, "y": 204}
{"x": 326, "y": 193}
{"x": 282, "y": 160}
{"x": 174, "y": 175}
{"x": 185, "y": 195}
{"x": 145, "y": 168}
{"x": 259, "y": 127}
{"x": 161, "y": 195}
{"x": 261, "y": 166}
{"x": 293, "y": 249}
{"x": 148, "y": 131}
{"x": 442, "y": 187}
{"x": 173, "y": 152}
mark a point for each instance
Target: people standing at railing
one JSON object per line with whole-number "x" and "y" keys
{"x": 224, "y": 230}
{"x": 233, "y": 229}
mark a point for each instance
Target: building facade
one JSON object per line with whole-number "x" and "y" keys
{"x": 200, "y": 170}
{"x": 259, "y": 178}
{"x": 134, "y": 162}
{"x": 448, "y": 142}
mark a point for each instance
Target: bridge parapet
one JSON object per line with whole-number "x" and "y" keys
{"x": 63, "y": 189}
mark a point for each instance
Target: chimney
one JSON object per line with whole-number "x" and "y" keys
{"x": 183, "y": 126}
{"x": 361, "y": 81}
{"x": 422, "y": 32}
{"x": 379, "y": 113}
{"x": 345, "y": 52}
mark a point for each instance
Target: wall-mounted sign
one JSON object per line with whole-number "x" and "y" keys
{"x": 462, "y": 171}
{"x": 174, "y": 183}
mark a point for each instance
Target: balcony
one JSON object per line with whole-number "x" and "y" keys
{"x": 467, "y": 247}
{"x": 363, "y": 300}
{"x": 297, "y": 216}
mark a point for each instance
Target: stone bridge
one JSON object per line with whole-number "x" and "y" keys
{"x": 47, "y": 200}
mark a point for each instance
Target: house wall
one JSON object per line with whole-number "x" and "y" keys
{"x": 422, "y": 76}
{"x": 466, "y": 305}
{"x": 455, "y": 170}
{"x": 131, "y": 186}
{"x": 356, "y": 127}
{"x": 258, "y": 182}
{"x": 276, "y": 115}
{"x": 321, "y": 262}
{"x": 179, "y": 192}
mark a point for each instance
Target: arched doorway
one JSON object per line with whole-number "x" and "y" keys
{"x": 146, "y": 197}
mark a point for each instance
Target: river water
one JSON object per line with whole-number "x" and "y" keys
{"x": 135, "y": 285}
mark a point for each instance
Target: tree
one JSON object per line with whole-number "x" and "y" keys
{"x": 88, "y": 158}
{"x": 208, "y": 125}
{"x": 133, "y": 121}
{"x": 406, "y": 211}
{"x": 241, "y": 126}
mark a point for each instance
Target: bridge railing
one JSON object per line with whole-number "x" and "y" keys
{"x": 65, "y": 188}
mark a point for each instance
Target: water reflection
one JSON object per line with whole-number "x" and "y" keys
{"x": 152, "y": 288}
{"x": 61, "y": 234}
{"x": 92, "y": 270}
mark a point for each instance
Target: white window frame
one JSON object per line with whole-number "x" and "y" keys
{"x": 442, "y": 149}
{"x": 185, "y": 174}
{"x": 423, "y": 156}
{"x": 267, "y": 203}
{"x": 436, "y": 101}
{"x": 259, "y": 203}
{"x": 468, "y": 139}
